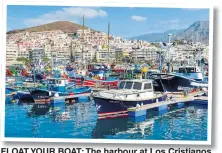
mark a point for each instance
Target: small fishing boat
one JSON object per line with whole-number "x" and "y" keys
{"x": 97, "y": 68}
{"x": 92, "y": 82}
{"x": 55, "y": 87}
{"x": 8, "y": 96}
{"x": 131, "y": 93}
{"x": 177, "y": 83}
{"x": 192, "y": 72}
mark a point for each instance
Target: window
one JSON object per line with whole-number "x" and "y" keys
{"x": 58, "y": 81}
{"x": 128, "y": 85}
{"x": 121, "y": 86}
{"x": 187, "y": 70}
{"x": 147, "y": 86}
{"x": 137, "y": 85}
{"x": 51, "y": 81}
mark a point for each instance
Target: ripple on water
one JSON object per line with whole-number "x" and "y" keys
{"x": 80, "y": 121}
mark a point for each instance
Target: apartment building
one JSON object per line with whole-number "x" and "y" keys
{"x": 11, "y": 52}
{"x": 36, "y": 54}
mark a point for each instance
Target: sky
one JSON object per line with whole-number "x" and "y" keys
{"x": 124, "y": 21}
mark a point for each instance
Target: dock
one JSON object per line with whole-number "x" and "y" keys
{"x": 163, "y": 106}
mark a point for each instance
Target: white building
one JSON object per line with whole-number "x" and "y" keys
{"x": 11, "y": 52}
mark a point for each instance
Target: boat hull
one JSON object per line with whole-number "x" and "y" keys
{"x": 175, "y": 83}
{"x": 109, "y": 108}
{"x": 25, "y": 97}
{"x": 87, "y": 82}
{"x": 93, "y": 83}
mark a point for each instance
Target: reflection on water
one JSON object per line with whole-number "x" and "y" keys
{"x": 80, "y": 121}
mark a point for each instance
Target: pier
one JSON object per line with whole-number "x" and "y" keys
{"x": 163, "y": 106}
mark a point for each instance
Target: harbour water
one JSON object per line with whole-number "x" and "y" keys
{"x": 80, "y": 121}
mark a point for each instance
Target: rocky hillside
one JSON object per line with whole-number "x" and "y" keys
{"x": 198, "y": 31}
{"x": 65, "y": 26}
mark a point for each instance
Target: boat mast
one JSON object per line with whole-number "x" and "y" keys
{"x": 71, "y": 52}
{"x": 34, "y": 75}
{"x": 83, "y": 25}
{"x": 108, "y": 42}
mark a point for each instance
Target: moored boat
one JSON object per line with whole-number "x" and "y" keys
{"x": 192, "y": 72}
{"x": 176, "y": 83}
{"x": 131, "y": 93}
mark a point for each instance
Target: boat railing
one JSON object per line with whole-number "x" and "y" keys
{"x": 117, "y": 95}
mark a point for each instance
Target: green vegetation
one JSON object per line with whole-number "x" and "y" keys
{"x": 23, "y": 59}
{"x": 45, "y": 59}
{"x": 94, "y": 60}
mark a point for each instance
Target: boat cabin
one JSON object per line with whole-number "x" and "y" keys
{"x": 192, "y": 72}
{"x": 189, "y": 69}
{"x": 57, "y": 84}
{"x": 131, "y": 90}
{"x": 57, "y": 81}
{"x": 142, "y": 85}
{"x": 97, "y": 67}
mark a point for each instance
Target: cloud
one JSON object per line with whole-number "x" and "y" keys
{"x": 138, "y": 18}
{"x": 67, "y": 13}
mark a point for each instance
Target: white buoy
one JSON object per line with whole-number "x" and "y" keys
{"x": 137, "y": 105}
{"x": 56, "y": 94}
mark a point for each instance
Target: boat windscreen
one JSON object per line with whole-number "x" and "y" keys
{"x": 147, "y": 86}
{"x": 128, "y": 85}
{"x": 187, "y": 70}
{"x": 137, "y": 85}
{"x": 121, "y": 85}
{"x": 51, "y": 81}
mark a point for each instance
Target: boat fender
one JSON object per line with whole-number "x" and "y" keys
{"x": 157, "y": 100}
{"x": 138, "y": 95}
{"x": 13, "y": 101}
{"x": 56, "y": 94}
{"x": 142, "y": 104}
{"x": 71, "y": 93}
{"x": 137, "y": 105}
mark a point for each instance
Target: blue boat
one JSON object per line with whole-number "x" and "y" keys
{"x": 10, "y": 94}
{"x": 55, "y": 87}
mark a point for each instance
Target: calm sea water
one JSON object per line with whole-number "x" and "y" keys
{"x": 80, "y": 121}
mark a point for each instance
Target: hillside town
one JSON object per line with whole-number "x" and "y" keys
{"x": 131, "y": 80}
{"x": 93, "y": 46}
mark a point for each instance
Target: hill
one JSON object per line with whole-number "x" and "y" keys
{"x": 65, "y": 26}
{"x": 198, "y": 31}
{"x": 157, "y": 37}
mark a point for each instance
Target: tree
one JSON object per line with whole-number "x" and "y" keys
{"x": 45, "y": 59}
{"x": 24, "y": 60}
{"x": 94, "y": 60}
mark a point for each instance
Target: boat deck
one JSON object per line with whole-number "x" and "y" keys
{"x": 175, "y": 99}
